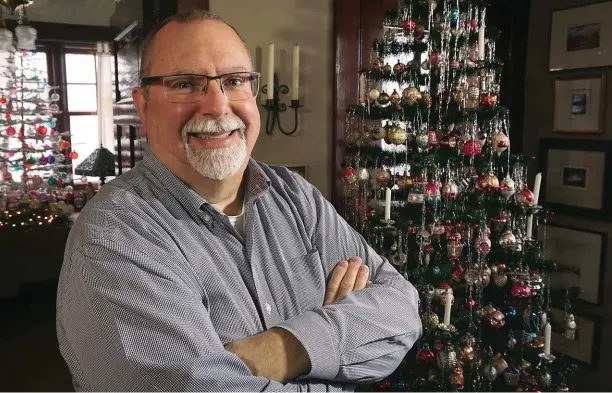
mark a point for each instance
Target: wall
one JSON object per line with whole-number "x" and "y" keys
{"x": 538, "y": 123}
{"x": 82, "y": 12}
{"x": 286, "y": 22}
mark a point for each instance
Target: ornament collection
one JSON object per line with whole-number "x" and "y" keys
{"x": 431, "y": 182}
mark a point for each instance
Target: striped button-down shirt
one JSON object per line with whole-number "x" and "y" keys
{"x": 156, "y": 281}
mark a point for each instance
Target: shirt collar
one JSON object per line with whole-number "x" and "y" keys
{"x": 257, "y": 180}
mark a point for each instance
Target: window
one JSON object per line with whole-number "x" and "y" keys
{"x": 75, "y": 70}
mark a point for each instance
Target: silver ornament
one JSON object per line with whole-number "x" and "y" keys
{"x": 507, "y": 187}
{"x": 447, "y": 359}
{"x": 363, "y": 175}
{"x": 373, "y": 95}
{"x": 489, "y": 372}
{"x": 544, "y": 378}
{"x": 507, "y": 239}
{"x": 422, "y": 141}
{"x": 570, "y": 327}
{"x": 562, "y": 387}
{"x": 398, "y": 258}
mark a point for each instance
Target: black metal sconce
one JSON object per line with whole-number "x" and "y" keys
{"x": 275, "y": 107}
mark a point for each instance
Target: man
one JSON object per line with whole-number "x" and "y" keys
{"x": 202, "y": 269}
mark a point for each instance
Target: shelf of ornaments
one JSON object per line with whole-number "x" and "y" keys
{"x": 41, "y": 132}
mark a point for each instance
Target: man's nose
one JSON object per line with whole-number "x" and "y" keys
{"x": 214, "y": 102}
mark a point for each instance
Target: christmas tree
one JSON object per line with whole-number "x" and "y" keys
{"x": 35, "y": 172}
{"x": 431, "y": 182}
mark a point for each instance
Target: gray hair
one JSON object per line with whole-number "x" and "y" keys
{"x": 195, "y": 15}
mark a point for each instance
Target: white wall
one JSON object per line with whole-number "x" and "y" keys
{"x": 286, "y": 22}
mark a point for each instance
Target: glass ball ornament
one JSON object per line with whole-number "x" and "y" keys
{"x": 411, "y": 95}
{"x": 422, "y": 141}
{"x": 520, "y": 290}
{"x": 399, "y": 67}
{"x": 501, "y": 142}
{"x": 450, "y": 190}
{"x": 54, "y": 108}
{"x": 387, "y": 68}
{"x": 507, "y": 239}
{"x": 409, "y": 25}
{"x": 489, "y": 372}
{"x": 422, "y": 238}
{"x": 383, "y": 176}
{"x": 373, "y": 95}
{"x": 350, "y": 175}
{"x": 395, "y": 97}
{"x": 363, "y": 175}
{"x": 432, "y": 193}
{"x": 507, "y": 187}
{"x": 526, "y": 199}
{"x": 500, "y": 280}
{"x": 398, "y": 258}
{"x": 497, "y": 319}
{"x": 383, "y": 99}
{"x": 512, "y": 376}
{"x": 73, "y": 155}
{"x": 472, "y": 147}
{"x": 430, "y": 320}
{"x": 447, "y": 358}
{"x": 397, "y": 135}
{"x": 487, "y": 182}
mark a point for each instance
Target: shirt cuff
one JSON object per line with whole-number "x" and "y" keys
{"x": 320, "y": 342}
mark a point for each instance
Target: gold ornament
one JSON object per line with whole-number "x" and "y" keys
{"x": 411, "y": 95}
{"x": 387, "y": 68}
{"x": 430, "y": 320}
{"x": 397, "y": 135}
{"x": 378, "y": 133}
{"x": 383, "y": 98}
{"x": 383, "y": 176}
{"x": 399, "y": 67}
{"x": 395, "y": 97}
{"x": 458, "y": 96}
{"x": 466, "y": 354}
{"x": 497, "y": 319}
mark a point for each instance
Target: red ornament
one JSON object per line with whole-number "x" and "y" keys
{"x": 472, "y": 147}
{"x": 3, "y": 100}
{"x": 426, "y": 357}
{"x": 42, "y": 130}
{"x": 10, "y": 131}
{"x": 409, "y": 25}
{"x": 428, "y": 249}
{"x": 7, "y": 116}
{"x": 521, "y": 290}
{"x": 74, "y": 155}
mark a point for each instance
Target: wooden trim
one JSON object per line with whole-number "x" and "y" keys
{"x": 63, "y": 32}
{"x": 347, "y": 38}
{"x": 187, "y": 5}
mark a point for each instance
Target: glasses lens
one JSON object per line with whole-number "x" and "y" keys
{"x": 240, "y": 86}
{"x": 184, "y": 88}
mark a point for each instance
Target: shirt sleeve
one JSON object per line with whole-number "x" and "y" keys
{"x": 363, "y": 337}
{"x": 128, "y": 322}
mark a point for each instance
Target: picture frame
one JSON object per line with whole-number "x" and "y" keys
{"x": 585, "y": 347}
{"x": 580, "y": 255}
{"x": 574, "y": 174}
{"x": 580, "y": 38}
{"x": 579, "y": 105}
{"x": 300, "y": 169}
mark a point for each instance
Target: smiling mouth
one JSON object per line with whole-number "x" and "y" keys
{"x": 207, "y": 136}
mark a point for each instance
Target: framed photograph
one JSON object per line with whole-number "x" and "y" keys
{"x": 581, "y": 37}
{"x": 584, "y": 348}
{"x": 575, "y": 177}
{"x": 302, "y": 170}
{"x": 580, "y": 255}
{"x": 580, "y": 105}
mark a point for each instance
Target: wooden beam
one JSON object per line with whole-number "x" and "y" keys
{"x": 347, "y": 25}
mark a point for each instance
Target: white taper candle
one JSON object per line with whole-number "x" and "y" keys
{"x": 271, "y": 71}
{"x": 388, "y": 204}
{"x": 296, "y": 72}
{"x": 447, "y": 308}
{"x": 547, "y": 338}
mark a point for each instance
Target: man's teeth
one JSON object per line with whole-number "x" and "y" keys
{"x": 213, "y": 136}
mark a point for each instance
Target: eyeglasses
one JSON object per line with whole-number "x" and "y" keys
{"x": 184, "y": 88}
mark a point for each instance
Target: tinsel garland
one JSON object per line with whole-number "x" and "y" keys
{"x": 407, "y": 111}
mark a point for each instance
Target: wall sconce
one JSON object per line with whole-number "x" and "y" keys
{"x": 275, "y": 107}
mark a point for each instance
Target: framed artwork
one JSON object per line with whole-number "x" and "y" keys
{"x": 580, "y": 105}
{"x": 580, "y": 255}
{"x": 575, "y": 174}
{"x": 302, "y": 170}
{"x": 581, "y": 37}
{"x": 584, "y": 348}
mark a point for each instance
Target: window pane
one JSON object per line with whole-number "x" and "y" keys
{"x": 80, "y": 68}
{"x": 84, "y": 134}
{"x": 82, "y": 98}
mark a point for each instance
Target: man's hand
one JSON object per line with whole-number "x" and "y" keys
{"x": 347, "y": 276}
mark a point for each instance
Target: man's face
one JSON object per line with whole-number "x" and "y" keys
{"x": 213, "y": 136}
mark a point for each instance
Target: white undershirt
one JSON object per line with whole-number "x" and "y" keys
{"x": 238, "y": 223}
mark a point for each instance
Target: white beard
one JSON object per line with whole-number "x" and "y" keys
{"x": 217, "y": 164}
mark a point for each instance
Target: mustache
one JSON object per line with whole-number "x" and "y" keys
{"x": 219, "y": 125}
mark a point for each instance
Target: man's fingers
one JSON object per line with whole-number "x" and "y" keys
{"x": 334, "y": 282}
{"x": 348, "y": 282}
{"x": 362, "y": 278}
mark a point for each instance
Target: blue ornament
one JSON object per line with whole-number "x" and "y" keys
{"x": 454, "y": 15}
{"x": 50, "y": 159}
{"x": 509, "y": 312}
{"x": 51, "y": 123}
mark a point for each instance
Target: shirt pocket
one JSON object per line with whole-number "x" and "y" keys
{"x": 307, "y": 281}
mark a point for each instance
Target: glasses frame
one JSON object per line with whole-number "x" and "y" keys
{"x": 149, "y": 80}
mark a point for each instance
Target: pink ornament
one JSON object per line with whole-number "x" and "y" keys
{"x": 435, "y": 59}
{"x": 521, "y": 290}
{"x": 409, "y": 25}
{"x": 525, "y": 198}
{"x": 472, "y": 147}
{"x": 350, "y": 175}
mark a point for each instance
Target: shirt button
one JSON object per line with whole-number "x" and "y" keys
{"x": 207, "y": 218}
{"x": 268, "y": 308}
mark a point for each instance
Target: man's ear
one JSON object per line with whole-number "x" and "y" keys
{"x": 139, "y": 95}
